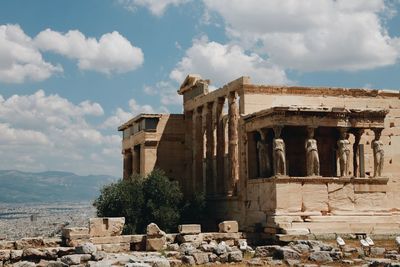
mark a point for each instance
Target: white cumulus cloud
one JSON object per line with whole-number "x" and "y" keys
{"x": 121, "y": 116}
{"x": 20, "y": 60}
{"x": 48, "y": 132}
{"x": 311, "y": 35}
{"x": 225, "y": 62}
{"x": 156, "y": 7}
{"x": 111, "y": 53}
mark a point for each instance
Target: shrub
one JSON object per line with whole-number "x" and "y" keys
{"x": 122, "y": 199}
{"x": 142, "y": 201}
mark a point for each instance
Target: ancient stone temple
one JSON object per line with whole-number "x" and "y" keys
{"x": 284, "y": 159}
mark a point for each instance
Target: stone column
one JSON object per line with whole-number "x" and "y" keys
{"x": 279, "y": 152}
{"x": 210, "y": 148}
{"x": 233, "y": 112}
{"x": 135, "y": 161}
{"x": 344, "y": 152}
{"x": 198, "y": 150}
{"x": 356, "y": 151}
{"x": 127, "y": 163}
{"x": 377, "y": 149}
{"x": 220, "y": 145}
{"x": 312, "y": 157}
{"x": 188, "y": 180}
{"x": 264, "y": 167}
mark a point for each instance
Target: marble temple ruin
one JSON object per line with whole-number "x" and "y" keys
{"x": 290, "y": 160}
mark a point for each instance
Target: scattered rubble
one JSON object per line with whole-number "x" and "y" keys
{"x": 105, "y": 246}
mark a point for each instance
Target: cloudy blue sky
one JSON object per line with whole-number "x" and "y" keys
{"x": 72, "y": 71}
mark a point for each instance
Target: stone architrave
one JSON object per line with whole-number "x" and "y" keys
{"x": 279, "y": 155}
{"x": 344, "y": 152}
{"x": 312, "y": 158}
{"x": 377, "y": 148}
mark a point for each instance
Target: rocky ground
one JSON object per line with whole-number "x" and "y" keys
{"x": 15, "y": 219}
{"x": 302, "y": 253}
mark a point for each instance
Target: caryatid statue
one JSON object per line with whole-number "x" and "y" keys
{"x": 278, "y": 146}
{"x": 312, "y": 158}
{"x": 377, "y": 148}
{"x": 344, "y": 152}
{"x": 263, "y": 159}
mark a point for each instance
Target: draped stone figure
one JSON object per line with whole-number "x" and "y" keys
{"x": 278, "y": 146}
{"x": 312, "y": 158}
{"x": 377, "y": 148}
{"x": 344, "y": 153}
{"x": 263, "y": 160}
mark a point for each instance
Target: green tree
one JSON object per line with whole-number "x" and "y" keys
{"x": 163, "y": 200}
{"x": 122, "y": 199}
{"x": 142, "y": 201}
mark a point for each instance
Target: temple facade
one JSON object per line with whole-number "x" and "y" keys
{"x": 287, "y": 160}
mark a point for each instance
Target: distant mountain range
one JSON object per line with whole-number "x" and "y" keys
{"x": 51, "y": 186}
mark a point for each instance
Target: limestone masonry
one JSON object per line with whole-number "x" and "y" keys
{"x": 293, "y": 161}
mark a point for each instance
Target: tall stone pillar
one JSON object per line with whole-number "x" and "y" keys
{"x": 198, "y": 150}
{"x": 127, "y": 163}
{"x": 135, "y": 161}
{"x": 210, "y": 148}
{"x": 220, "y": 145}
{"x": 188, "y": 180}
{"x": 233, "y": 113}
{"x": 356, "y": 151}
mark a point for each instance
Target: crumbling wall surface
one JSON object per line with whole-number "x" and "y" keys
{"x": 345, "y": 206}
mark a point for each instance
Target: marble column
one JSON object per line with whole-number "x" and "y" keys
{"x": 220, "y": 145}
{"x": 188, "y": 181}
{"x": 343, "y": 152}
{"x": 356, "y": 152}
{"x": 135, "y": 161}
{"x": 279, "y": 152}
{"x": 198, "y": 149}
{"x": 127, "y": 163}
{"x": 379, "y": 153}
{"x": 233, "y": 112}
{"x": 210, "y": 148}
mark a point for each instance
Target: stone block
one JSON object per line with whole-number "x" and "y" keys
{"x": 5, "y": 254}
{"x": 116, "y": 248}
{"x": 221, "y": 236}
{"x": 228, "y": 227}
{"x": 117, "y": 239}
{"x": 371, "y": 202}
{"x": 33, "y": 253}
{"x": 75, "y": 259}
{"x": 341, "y": 197}
{"x": 266, "y": 197}
{"x": 7, "y": 244}
{"x": 16, "y": 254}
{"x": 315, "y": 197}
{"x": 189, "y": 228}
{"x": 296, "y": 231}
{"x": 153, "y": 230}
{"x": 75, "y": 232}
{"x": 75, "y": 242}
{"x": 191, "y": 238}
{"x": 235, "y": 256}
{"x": 29, "y": 242}
{"x": 156, "y": 243}
{"x": 52, "y": 242}
{"x": 366, "y": 188}
{"x": 86, "y": 248}
{"x": 200, "y": 258}
{"x": 111, "y": 226}
{"x": 289, "y": 197}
